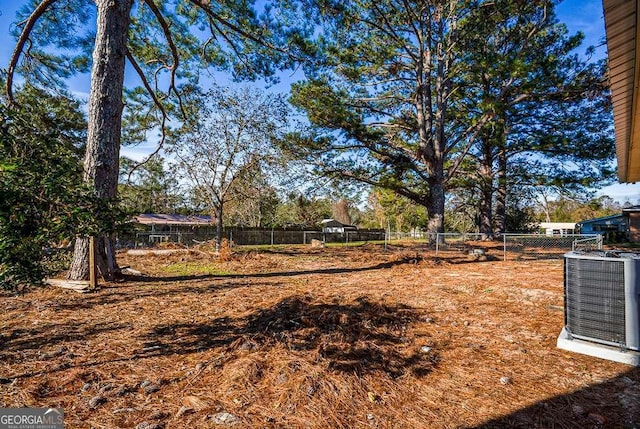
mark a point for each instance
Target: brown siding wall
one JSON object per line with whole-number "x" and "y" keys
{"x": 634, "y": 227}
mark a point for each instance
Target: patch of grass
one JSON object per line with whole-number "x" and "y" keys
{"x": 196, "y": 268}
{"x": 257, "y": 247}
{"x": 279, "y": 247}
{"x": 353, "y": 243}
{"x": 398, "y": 243}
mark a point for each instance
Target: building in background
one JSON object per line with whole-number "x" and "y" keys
{"x": 157, "y": 228}
{"x": 332, "y": 226}
{"x": 558, "y": 228}
{"x": 614, "y": 228}
{"x": 632, "y": 215}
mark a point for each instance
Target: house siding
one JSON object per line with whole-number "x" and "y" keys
{"x": 634, "y": 227}
{"x": 614, "y": 228}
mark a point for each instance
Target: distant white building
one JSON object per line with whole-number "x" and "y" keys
{"x": 333, "y": 226}
{"x": 558, "y": 228}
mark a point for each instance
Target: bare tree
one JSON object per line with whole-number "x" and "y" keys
{"x": 233, "y": 135}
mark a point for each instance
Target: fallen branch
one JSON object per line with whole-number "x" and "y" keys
{"x": 81, "y": 286}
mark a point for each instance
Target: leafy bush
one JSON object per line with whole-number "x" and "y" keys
{"x": 43, "y": 200}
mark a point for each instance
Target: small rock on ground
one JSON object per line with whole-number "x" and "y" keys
{"x": 225, "y": 419}
{"x": 158, "y": 415}
{"x": 149, "y": 425}
{"x": 96, "y": 401}
{"x": 151, "y": 388}
{"x": 106, "y": 388}
{"x": 184, "y": 410}
{"x": 124, "y": 410}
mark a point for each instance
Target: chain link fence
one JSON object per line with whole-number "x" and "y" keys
{"x": 511, "y": 246}
{"x": 248, "y": 237}
{"x": 538, "y": 246}
{"x": 505, "y": 246}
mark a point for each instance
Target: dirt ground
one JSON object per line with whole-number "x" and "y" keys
{"x": 311, "y": 338}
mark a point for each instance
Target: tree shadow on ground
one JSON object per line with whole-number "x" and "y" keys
{"x": 293, "y": 273}
{"x": 114, "y": 295}
{"x": 612, "y": 404}
{"x": 137, "y": 287}
{"x": 359, "y": 338}
{"x": 46, "y": 336}
{"x": 49, "y": 345}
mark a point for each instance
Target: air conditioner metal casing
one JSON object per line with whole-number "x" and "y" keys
{"x": 602, "y": 297}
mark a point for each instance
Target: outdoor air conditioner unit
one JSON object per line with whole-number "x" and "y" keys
{"x": 602, "y": 305}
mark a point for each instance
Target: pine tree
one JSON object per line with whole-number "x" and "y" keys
{"x": 551, "y": 118}
{"x": 381, "y": 96}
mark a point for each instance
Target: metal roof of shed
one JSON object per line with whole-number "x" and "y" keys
{"x": 604, "y": 219}
{"x": 171, "y": 219}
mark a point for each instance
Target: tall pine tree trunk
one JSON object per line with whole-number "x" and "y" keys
{"x": 486, "y": 208}
{"x": 501, "y": 195}
{"x": 486, "y": 190}
{"x": 105, "y": 122}
{"x": 435, "y": 206}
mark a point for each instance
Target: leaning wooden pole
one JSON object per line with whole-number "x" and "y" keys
{"x": 93, "y": 283}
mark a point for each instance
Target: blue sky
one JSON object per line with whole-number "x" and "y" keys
{"x": 587, "y": 16}
{"x": 579, "y": 15}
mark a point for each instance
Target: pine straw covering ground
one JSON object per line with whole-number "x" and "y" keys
{"x": 311, "y": 338}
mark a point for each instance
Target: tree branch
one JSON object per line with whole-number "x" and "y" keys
{"x": 174, "y": 52}
{"x": 158, "y": 104}
{"x": 167, "y": 34}
{"x": 391, "y": 30}
{"x": 212, "y": 25}
{"x": 403, "y": 191}
{"x": 204, "y": 6}
{"x": 472, "y": 139}
{"x": 24, "y": 36}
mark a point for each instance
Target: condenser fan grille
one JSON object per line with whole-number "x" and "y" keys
{"x": 594, "y": 299}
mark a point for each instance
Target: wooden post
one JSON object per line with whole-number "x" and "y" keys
{"x": 504, "y": 247}
{"x": 93, "y": 284}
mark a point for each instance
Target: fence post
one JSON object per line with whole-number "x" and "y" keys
{"x": 437, "y": 242}
{"x": 504, "y": 238}
{"x": 93, "y": 284}
{"x": 272, "y": 236}
{"x": 386, "y": 238}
